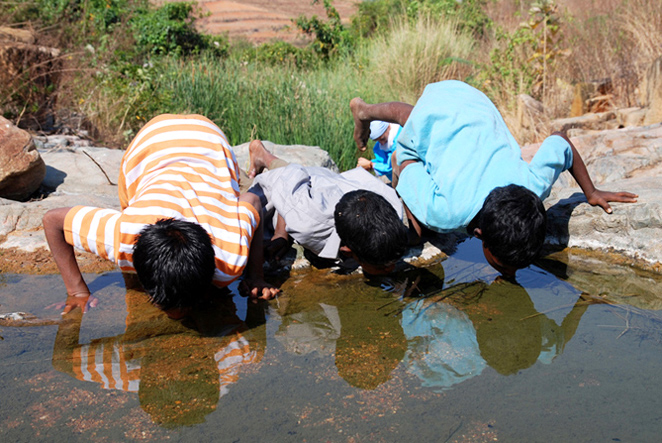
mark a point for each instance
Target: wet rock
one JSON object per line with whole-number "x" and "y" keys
{"x": 633, "y": 229}
{"x": 22, "y": 319}
{"x": 603, "y": 276}
{"x": 21, "y": 166}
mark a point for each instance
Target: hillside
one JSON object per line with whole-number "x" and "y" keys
{"x": 260, "y": 21}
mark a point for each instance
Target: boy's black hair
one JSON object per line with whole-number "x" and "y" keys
{"x": 174, "y": 260}
{"x": 368, "y": 225}
{"x": 513, "y": 222}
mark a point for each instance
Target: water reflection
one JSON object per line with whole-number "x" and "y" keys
{"x": 435, "y": 327}
{"x": 346, "y": 321}
{"x": 443, "y": 333}
{"x": 179, "y": 369}
{"x": 482, "y": 325}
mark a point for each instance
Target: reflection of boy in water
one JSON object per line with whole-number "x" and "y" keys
{"x": 179, "y": 373}
{"x": 498, "y": 325}
{"x": 348, "y": 319}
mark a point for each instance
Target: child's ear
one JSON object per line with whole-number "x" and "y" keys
{"x": 478, "y": 233}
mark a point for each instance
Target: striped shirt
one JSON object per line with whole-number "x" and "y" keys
{"x": 178, "y": 166}
{"x": 114, "y": 364}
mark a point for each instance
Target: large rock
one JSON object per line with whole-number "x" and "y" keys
{"x": 633, "y": 229}
{"x": 599, "y": 121}
{"x": 301, "y": 154}
{"x": 21, "y": 168}
{"x": 619, "y": 154}
{"x": 617, "y": 160}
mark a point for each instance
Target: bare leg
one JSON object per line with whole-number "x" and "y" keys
{"x": 260, "y": 158}
{"x": 363, "y": 113}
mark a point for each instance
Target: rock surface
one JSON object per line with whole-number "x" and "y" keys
{"x": 21, "y": 167}
{"x": 618, "y": 160}
{"x": 622, "y": 159}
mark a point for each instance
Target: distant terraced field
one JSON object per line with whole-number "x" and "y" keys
{"x": 260, "y": 21}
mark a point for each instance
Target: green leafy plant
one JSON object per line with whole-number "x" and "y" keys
{"x": 330, "y": 36}
{"x": 281, "y": 53}
{"x": 169, "y": 30}
{"x": 544, "y": 24}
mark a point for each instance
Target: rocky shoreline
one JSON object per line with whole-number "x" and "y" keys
{"x": 620, "y": 159}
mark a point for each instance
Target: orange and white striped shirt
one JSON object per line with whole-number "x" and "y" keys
{"x": 178, "y": 166}
{"x": 117, "y": 365}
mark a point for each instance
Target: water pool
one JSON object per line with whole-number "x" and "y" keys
{"x": 448, "y": 353}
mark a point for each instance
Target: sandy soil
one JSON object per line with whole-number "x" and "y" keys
{"x": 260, "y": 21}
{"x": 14, "y": 261}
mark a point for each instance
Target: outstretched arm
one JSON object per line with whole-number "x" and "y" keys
{"x": 253, "y": 283}
{"x": 364, "y": 113}
{"x": 594, "y": 196}
{"x": 65, "y": 259}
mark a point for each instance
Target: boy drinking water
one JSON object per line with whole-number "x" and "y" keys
{"x": 457, "y": 166}
{"x": 182, "y": 225}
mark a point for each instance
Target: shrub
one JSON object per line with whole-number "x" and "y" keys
{"x": 379, "y": 15}
{"x": 168, "y": 30}
{"x": 414, "y": 54}
{"x": 330, "y": 37}
{"x": 281, "y": 53}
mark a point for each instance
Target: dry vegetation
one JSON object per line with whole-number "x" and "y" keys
{"x": 604, "y": 40}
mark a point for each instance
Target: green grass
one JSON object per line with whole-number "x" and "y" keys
{"x": 278, "y": 103}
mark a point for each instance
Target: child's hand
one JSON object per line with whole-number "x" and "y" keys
{"x": 257, "y": 289}
{"x": 84, "y": 302}
{"x": 601, "y": 198}
{"x": 364, "y": 163}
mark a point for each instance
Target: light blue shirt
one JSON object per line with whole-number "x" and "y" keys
{"x": 381, "y": 164}
{"x": 463, "y": 151}
{"x": 442, "y": 349}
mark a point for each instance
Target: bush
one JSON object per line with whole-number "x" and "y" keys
{"x": 281, "y": 53}
{"x": 414, "y": 54}
{"x": 168, "y": 30}
{"x": 379, "y": 15}
{"x": 330, "y": 37}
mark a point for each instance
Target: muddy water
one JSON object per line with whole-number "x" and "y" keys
{"x": 448, "y": 353}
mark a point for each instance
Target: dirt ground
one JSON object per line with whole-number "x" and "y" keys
{"x": 14, "y": 261}
{"x": 260, "y": 21}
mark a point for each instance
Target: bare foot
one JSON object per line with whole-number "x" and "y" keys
{"x": 259, "y": 158}
{"x": 361, "y": 124}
